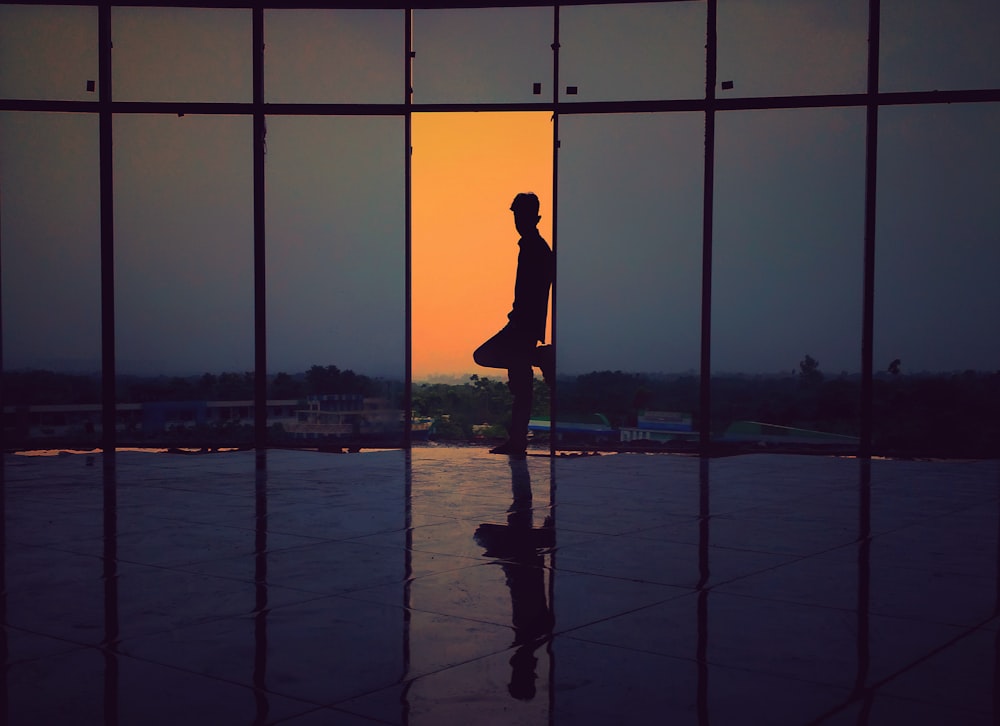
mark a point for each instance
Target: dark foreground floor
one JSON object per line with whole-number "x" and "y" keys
{"x": 621, "y": 589}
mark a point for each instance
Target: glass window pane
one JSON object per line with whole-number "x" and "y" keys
{"x": 334, "y": 56}
{"x": 939, "y": 44}
{"x": 51, "y": 234}
{"x": 48, "y": 52}
{"x": 182, "y": 54}
{"x": 804, "y": 47}
{"x": 628, "y": 308}
{"x": 184, "y": 276}
{"x": 336, "y": 277}
{"x": 936, "y": 294}
{"x": 632, "y": 51}
{"x": 488, "y": 55}
{"x": 787, "y": 273}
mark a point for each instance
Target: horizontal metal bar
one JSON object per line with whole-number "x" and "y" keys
{"x": 988, "y": 95}
{"x": 328, "y": 4}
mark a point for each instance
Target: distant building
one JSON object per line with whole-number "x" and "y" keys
{"x": 345, "y": 416}
{"x": 592, "y": 429}
{"x": 324, "y": 416}
{"x": 764, "y": 433}
{"x": 659, "y": 426}
{"x": 664, "y": 426}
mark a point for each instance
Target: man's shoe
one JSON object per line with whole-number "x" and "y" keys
{"x": 511, "y": 449}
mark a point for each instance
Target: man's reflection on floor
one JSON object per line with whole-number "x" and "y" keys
{"x": 519, "y": 548}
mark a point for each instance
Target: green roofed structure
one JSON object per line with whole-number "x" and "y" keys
{"x": 765, "y": 433}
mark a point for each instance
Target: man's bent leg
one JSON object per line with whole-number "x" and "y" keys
{"x": 497, "y": 352}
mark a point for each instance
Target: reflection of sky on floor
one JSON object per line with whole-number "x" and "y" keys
{"x": 356, "y": 588}
{"x": 788, "y": 206}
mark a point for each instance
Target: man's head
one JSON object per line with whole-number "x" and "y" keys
{"x": 525, "y": 209}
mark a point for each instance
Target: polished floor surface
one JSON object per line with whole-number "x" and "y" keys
{"x": 455, "y": 587}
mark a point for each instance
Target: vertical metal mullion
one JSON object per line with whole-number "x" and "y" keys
{"x": 863, "y": 629}
{"x": 553, "y": 391}
{"x": 408, "y": 222}
{"x": 408, "y": 359}
{"x": 259, "y": 240}
{"x": 3, "y": 442}
{"x": 703, "y": 588}
{"x": 705, "y": 392}
{"x": 553, "y": 341}
{"x": 106, "y": 152}
{"x": 871, "y": 180}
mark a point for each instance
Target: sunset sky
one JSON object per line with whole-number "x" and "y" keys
{"x": 465, "y": 167}
{"x": 788, "y": 189}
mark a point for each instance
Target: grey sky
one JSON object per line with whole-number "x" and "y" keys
{"x": 788, "y": 185}
{"x": 183, "y": 242}
{"x": 629, "y": 247}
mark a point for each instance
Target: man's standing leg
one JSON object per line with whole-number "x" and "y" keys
{"x": 521, "y": 382}
{"x": 514, "y": 351}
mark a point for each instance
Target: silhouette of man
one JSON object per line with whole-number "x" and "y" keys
{"x": 515, "y": 346}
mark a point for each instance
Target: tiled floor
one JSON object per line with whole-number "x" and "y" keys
{"x": 629, "y": 589}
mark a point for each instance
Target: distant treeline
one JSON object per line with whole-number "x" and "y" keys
{"x": 919, "y": 415}
{"x": 925, "y": 415}
{"x": 456, "y": 408}
{"x": 23, "y": 388}
{"x": 949, "y": 416}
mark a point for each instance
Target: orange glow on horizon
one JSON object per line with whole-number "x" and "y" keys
{"x": 467, "y": 167}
